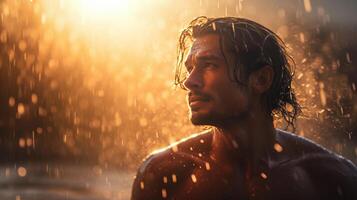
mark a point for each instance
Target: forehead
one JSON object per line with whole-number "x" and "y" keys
{"x": 205, "y": 45}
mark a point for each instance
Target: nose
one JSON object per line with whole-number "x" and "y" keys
{"x": 193, "y": 81}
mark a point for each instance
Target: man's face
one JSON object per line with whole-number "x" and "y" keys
{"x": 213, "y": 98}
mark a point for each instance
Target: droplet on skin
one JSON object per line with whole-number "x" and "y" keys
{"x": 174, "y": 178}
{"x": 142, "y": 186}
{"x": 199, "y": 154}
{"x": 202, "y": 141}
{"x": 164, "y": 179}
{"x": 208, "y": 167}
{"x": 235, "y": 144}
{"x": 164, "y": 193}
{"x": 194, "y": 179}
{"x": 278, "y": 148}
{"x": 263, "y": 175}
{"x": 21, "y": 171}
{"x": 174, "y": 148}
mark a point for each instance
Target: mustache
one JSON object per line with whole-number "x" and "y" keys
{"x": 197, "y": 96}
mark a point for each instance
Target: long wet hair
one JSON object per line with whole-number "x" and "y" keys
{"x": 254, "y": 46}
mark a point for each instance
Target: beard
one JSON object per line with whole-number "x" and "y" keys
{"x": 217, "y": 119}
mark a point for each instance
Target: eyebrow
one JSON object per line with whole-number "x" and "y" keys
{"x": 208, "y": 57}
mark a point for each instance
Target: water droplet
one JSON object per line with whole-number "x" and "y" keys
{"x": 143, "y": 122}
{"x": 118, "y": 120}
{"x": 322, "y": 94}
{"x": 348, "y": 58}
{"x": 164, "y": 179}
{"x": 12, "y": 101}
{"x": 142, "y": 186}
{"x": 235, "y": 144}
{"x": 29, "y": 142}
{"x": 39, "y": 130}
{"x": 21, "y": 171}
{"x": 240, "y": 6}
{"x": 22, "y": 45}
{"x": 307, "y": 6}
{"x": 302, "y": 37}
{"x": 214, "y": 26}
{"x": 263, "y": 175}
{"x": 208, "y": 167}
{"x": 174, "y": 148}
{"x": 22, "y": 142}
{"x": 300, "y": 76}
{"x": 278, "y": 148}
{"x": 174, "y": 178}
{"x": 21, "y": 108}
{"x": 164, "y": 193}
{"x": 7, "y": 172}
{"x": 34, "y": 98}
{"x": 194, "y": 179}
{"x": 281, "y": 13}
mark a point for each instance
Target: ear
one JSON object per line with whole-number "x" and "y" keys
{"x": 261, "y": 80}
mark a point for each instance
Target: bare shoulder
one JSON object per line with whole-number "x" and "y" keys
{"x": 299, "y": 145}
{"x": 195, "y": 145}
{"x": 167, "y": 168}
{"x": 312, "y": 168}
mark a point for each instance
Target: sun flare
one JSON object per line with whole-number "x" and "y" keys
{"x": 99, "y": 9}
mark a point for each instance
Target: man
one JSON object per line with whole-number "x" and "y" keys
{"x": 238, "y": 76}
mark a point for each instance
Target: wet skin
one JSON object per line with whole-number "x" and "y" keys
{"x": 294, "y": 168}
{"x": 243, "y": 156}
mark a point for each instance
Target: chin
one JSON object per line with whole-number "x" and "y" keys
{"x": 215, "y": 119}
{"x": 200, "y": 119}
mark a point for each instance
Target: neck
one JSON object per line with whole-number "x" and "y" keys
{"x": 246, "y": 140}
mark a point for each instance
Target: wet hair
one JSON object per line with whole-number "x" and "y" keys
{"x": 253, "y": 46}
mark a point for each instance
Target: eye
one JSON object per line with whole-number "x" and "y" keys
{"x": 208, "y": 64}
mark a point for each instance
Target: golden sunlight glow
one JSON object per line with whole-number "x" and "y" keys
{"x": 102, "y": 9}
{"x": 99, "y": 74}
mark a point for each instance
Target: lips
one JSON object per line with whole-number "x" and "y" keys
{"x": 195, "y": 100}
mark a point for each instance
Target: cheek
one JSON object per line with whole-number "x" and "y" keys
{"x": 232, "y": 99}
